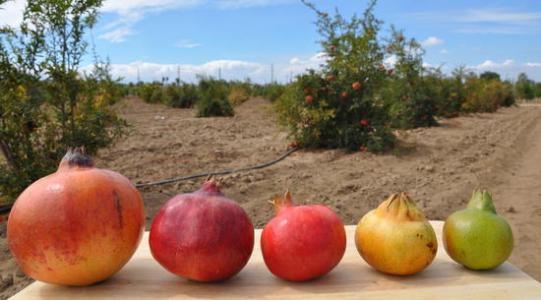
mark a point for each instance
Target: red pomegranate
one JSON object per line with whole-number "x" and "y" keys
{"x": 302, "y": 242}
{"x": 202, "y": 236}
{"x": 77, "y": 226}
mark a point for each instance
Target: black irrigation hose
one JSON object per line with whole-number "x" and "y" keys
{"x": 218, "y": 173}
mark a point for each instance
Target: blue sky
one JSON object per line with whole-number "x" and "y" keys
{"x": 242, "y": 38}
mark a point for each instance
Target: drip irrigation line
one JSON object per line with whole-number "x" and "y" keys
{"x": 218, "y": 173}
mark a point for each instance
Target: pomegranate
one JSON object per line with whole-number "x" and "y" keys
{"x": 477, "y": 237}
{"x": 396, "y": 238}
{"x": 364, "y": 122}
{"x": 202, "y": 236}
{"x": 325, "y": 89}
{"x": 356, "y": 85}
{"x": 330, "y": 78}
{"x": 302, "y": 242}
{"x": 77, "y": 226}
{"x": 345, "y": 95}
{"x": 307, "y": 91}
{"x": 309, "y": 98}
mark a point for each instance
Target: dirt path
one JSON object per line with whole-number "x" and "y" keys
{"x": 439, "y": 166}
{"x": 522, "y": 190}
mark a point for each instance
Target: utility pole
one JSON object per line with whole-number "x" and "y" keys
{"x": 272, "y": 73}
{"x": 178, "y": 75}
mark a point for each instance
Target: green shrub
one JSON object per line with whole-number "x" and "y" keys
{"x": 273, "y": 91}
{"x": 213, "y": 100}
{"x": 238, "y": 95}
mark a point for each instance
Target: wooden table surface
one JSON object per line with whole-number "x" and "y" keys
{"x": 144, "y": 278}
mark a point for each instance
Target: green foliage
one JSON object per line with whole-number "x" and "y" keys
{"x": 410, "y": 96}
{"x": 272, "y": 91}
{"x": 486, "y": 95}
{"x": 46, "y": 104}
{"x": 239, "y": 92}
{"x": 213, "y": 100}
{"x": 488, "y": 75}
{"x": 525, "y": 87}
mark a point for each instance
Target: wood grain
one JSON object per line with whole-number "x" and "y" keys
{"x": 144, "y": 278}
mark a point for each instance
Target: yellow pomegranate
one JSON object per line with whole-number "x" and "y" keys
{"x": 396, "y": 238}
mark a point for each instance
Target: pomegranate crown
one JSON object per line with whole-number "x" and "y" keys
{"x": 482, "y": 200}
{"x": 77, "y": 158}
{"x": 211, "y": 185}
{"x": 280, "y": 203}
{"x": 401, "y": 207}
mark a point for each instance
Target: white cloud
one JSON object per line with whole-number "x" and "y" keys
{"x": 133, "y": 11}
{"x": 487, "y": 64}
{"x": 117, "y": 35}
{"x": 432, "y": 41}
{"x": 390, "y": 61}
{"x": 444, "y": 51}
{"x": 186, "y": 44}
{"x": 492, "y": 20}
{"x": 510, "y": 69}
{"x": 533, "y": 65}
{"x": 230, "y": 69}
{"x": 284, "y": 69}
{"x": 11, "y": 13}
{"x": 297, "y": 65}
{"x": 235, "y": 4}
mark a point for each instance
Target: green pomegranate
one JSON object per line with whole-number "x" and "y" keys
{"x": 477, "y": 237}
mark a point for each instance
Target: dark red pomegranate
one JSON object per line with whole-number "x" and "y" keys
{"x": 302, "y": 242}
{"x": 202, "y": 236}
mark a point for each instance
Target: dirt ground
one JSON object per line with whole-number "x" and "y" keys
{"x": 439, "y": 166}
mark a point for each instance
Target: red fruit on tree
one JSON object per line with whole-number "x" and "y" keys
{"x": 345, "y": 95}
{"x": 364, "y": 122}
{"x": 302, "y": 242}
{"x": 356, "y": 85}
{"x": 331, "y": 78}
{"x": 325, "y": 89}
{"x": 381, "y": 68}
{"x": 389, "y": 72}
{"x": 307, "y": 91}
{"x": 332, "y": 47}
{"x": 309, "y": 98}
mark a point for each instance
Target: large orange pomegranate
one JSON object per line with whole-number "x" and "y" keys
{"x": 77, "y": 226}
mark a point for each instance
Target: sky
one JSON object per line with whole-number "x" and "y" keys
{"x": 243, "y": 38}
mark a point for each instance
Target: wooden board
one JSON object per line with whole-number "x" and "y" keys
{"x": 144, "y": 278}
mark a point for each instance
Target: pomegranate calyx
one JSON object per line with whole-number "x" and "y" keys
{"x": 76, "y": 158}
{"x": 482, "y": 200}
{"x": 211, "y": 185}
{"x": 400, "y": 208}
{"x": 280, "y": 203}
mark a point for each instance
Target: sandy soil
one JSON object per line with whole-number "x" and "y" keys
{"x": 439, "y": 167}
